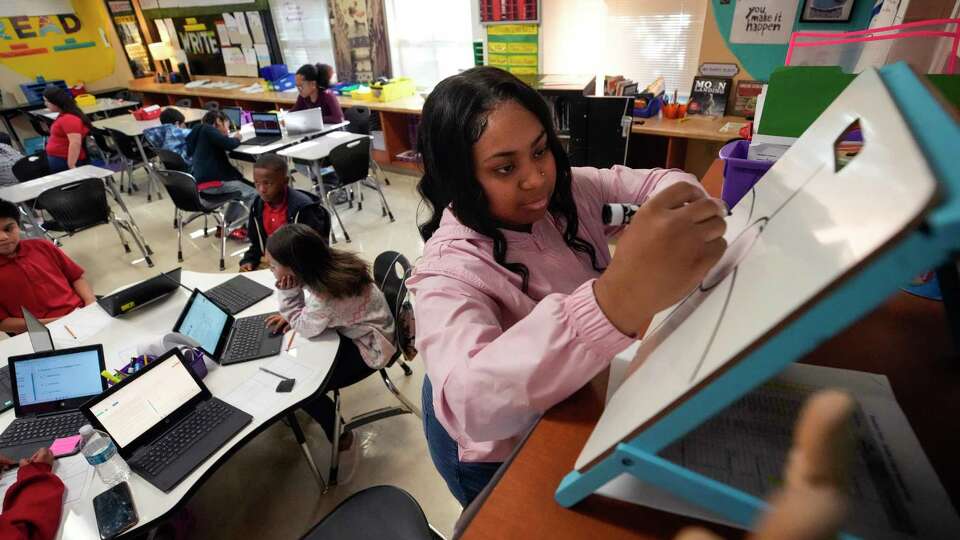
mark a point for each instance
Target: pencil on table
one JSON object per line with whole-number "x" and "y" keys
{"x": 74, "y": 336}
{"x": 290, "y": 343}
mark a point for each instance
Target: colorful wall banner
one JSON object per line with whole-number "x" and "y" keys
{"x": 514, "y": 47}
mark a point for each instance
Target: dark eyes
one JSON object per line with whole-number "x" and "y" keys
{"x": 507, "y": 169}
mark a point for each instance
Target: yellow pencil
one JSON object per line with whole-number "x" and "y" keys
{"x": 71, "y": 332}
{"x": 290, "y": 343}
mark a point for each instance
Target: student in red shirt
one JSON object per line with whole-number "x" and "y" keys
{"x": 33, "y": 505}
{"x": 65, "y": 148}
{"x": 37, "y": 275}
{"x": 278, "y": 205}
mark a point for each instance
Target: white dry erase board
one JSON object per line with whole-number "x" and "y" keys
{"x": 802, "y": 230}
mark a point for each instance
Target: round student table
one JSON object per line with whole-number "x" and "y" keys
{"x": 120, "y": 335}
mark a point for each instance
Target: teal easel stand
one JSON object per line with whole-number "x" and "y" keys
{"x": 933, "y": 243}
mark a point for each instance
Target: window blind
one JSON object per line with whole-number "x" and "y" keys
{"x": 429, "y": 39}
{"x": 303, "y": 30}
{"x": 639, "y": 40}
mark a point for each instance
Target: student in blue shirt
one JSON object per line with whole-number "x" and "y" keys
{"x": 171, "y": 134}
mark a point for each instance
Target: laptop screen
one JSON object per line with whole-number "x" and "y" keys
{"x": 39, "y": 334}
{"x": 147, "y": 400}
{"x": 234, "y": 114}
{"x": 60, "y": 377}
{"x": 266, "y": 124}
{"x": 204, "y": 321}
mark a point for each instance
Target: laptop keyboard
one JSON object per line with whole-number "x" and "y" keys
{"x": 25, "y": 430}
{"x": 247, "y": 335}
{"x": 262, "y": 140}
{"x": 232, "y": 298}
{"x": 178, "y": 440}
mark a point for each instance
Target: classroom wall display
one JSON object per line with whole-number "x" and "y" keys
{"x": 759, "y": 60}
{"x": 501, "y": 11}
{"x": 826, "y": 10}
{"x": 66, "y": 45}
{"x": 763, "y": 21}
{"x": 360, "y": 43}
{"x": 198, "y": 39}
{"x": 514, "y": 47}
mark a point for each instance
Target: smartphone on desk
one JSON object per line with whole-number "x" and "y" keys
{"x": 115, "y": 511}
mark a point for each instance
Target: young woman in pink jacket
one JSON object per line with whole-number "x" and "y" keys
{"x": 517, "y": 299}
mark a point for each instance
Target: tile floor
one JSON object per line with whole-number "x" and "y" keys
{"x": 265, "y": 490}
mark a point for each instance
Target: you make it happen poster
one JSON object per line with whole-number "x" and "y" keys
{"x": 763, "y": 21}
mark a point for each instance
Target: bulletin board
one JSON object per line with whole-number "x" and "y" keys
{"x": 760, "y": 60}
{"x": 514, "y": 47}
{"x": 217, "y": 42}
{"x": 70, "y": 46}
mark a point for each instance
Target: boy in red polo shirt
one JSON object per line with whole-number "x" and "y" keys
{"x": 37, "y": 275}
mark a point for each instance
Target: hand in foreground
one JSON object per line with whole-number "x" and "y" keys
{"x": 812, "y": 503}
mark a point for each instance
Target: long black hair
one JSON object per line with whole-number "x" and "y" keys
{"x": 322, "y": 269}
{"x": 320, "y": 73}
{"x": 64, "y": 100}
{"x": 454, "y": 118}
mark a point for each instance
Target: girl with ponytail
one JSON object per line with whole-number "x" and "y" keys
{"x": 313, "y": 85}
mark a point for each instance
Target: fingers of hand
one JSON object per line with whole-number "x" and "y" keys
{"x": 704, "y": 209}
{"x": 677, "y": 196}
{"x": 711, "y": 229}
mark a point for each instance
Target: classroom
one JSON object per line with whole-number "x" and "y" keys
{"x": 479, "y": 269}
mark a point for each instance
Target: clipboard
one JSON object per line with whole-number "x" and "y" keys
{"x": 812, "y": 248}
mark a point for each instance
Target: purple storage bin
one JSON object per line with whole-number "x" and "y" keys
{"x": 739, "y": 173}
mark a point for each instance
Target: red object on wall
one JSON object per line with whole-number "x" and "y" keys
{"x": 497, "y": 11}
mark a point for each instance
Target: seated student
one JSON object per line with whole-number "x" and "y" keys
{"x": 37, "y": 275}
{"x": 34, "y": 503}
{"x": 171, "y": 134}
{"x": 278, "y": 205}
{"x": 65, "y": 146}
{"x": 342, "y": 297}
{"x": 8, "y": 156}
{"x": 518, "y": 300}
{"x": 313, "y": 85}
{"x": 208, "y": 145}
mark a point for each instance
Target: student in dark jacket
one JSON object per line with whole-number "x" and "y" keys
{"x": 277, "y": 205}
{"x": 208, "y": 146}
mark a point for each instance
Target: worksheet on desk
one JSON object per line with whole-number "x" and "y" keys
{"x": 894, "y": 491}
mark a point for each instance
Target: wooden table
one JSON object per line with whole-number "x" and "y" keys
{"x": 906, "y": 339}
{"x": 395, "y": 116}
{"x": 679, "y": 132}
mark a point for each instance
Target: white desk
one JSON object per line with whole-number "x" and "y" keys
{"x": 24, "y": 192}
{"x": 128, "y": 125}
{"x": 79, "y": 522}
{"x": 103, "y": 105}
{"x": 247, "y": 133}
{"x": 318, "y": 149}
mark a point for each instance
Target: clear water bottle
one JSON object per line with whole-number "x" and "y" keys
{"x": 99, "y": 450}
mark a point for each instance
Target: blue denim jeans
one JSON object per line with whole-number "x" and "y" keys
{"x": 58, "y": 164}
{"x": 465, "y": 480}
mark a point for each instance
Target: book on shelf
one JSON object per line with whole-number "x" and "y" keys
{"x": 709, "y": 96}
{"x": 745, "y": 98}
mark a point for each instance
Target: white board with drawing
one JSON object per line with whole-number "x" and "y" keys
{"x": 802, "y": 229}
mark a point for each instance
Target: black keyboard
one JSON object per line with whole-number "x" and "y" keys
{"x": 237, "y": 294}
{"x": 174, "y": 443}
{"x": 247, "y": 336}
{"x": 25, "y": 430}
